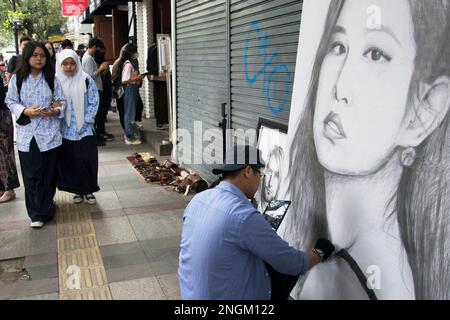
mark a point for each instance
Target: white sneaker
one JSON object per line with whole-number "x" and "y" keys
{"x": 78, "y": 198}
{"x": 90, "y": 198}
{"x": 36, "y": 224}
{"x": 134, "y": 141}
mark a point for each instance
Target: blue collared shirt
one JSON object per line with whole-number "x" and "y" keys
{"x": 36, "y": 93}
{"x": 91, "y": 101}
{"x": 224, "y": 244}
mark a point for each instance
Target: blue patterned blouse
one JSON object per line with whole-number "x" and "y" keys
{"x": 36, "y": 93}
{"x": 91, "y": 102}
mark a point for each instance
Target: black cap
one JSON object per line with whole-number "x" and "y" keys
{"x": 239, "y": 157}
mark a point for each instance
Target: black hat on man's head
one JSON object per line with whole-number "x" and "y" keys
{"x": 239, "y": 157}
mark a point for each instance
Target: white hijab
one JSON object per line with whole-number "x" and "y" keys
{"x": 73, "y": 87}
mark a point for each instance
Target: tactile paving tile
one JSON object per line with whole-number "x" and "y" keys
{"x": 91, "y": 294}
{"x": 74, "y": 229}
{"x": 79, "y": 256}
{"x": 74, "y": 216}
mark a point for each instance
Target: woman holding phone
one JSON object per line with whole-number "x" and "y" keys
{"x": 36, "y": 99}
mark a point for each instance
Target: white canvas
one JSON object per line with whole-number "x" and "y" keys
{"x": 369, "y": 157}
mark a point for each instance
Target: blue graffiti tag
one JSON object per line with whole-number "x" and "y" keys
{"x": 254, "y": 33}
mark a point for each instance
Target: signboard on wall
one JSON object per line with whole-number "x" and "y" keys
{"x": 73, "y": 8}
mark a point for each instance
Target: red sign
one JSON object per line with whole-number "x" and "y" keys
{"x": 74, "y": 8}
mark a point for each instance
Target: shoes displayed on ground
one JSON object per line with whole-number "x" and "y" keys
{"x": 90, "y": 198}
{"x": 36, "y": 224}
{"x": 7, "y": 196}
{"x": 78, "y": 198}
{"x": 133, "y": 141}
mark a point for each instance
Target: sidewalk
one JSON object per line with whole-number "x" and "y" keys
{"x": 126, "y": 245}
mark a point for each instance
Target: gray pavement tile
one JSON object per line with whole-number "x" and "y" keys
{"x": 169, "y": 284}
{"x": 162, "y": 253}
{"x": 13, "y": 211}
{"x": 123, "y": 260}
{"x": 120, "y": 170}
{"x": 105, "y": 184}
{"x": 43, "y": 272}
{"x": 26, "y": 242}
{"x": 127, "y": 182}
{"x": 146, "y": 197}
{"x": 113, "y": 230}
{"x": 102, "y": 172}
{"x": 45, "y": 296}
{"x": 29, "y": 288}
{"x": 139, "y": 289}
{"x": 120, "y": 248}
{"x": 106, "y": 200}
{"x": 131, "y": 272}
{"x": 156, "y": 225}
{"x": 162, "y": 267}
{"x": 161, "y": 243}
{"x": 40, "y": 260}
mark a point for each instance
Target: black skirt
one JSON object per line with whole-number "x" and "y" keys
{"x": 78, "y": 166}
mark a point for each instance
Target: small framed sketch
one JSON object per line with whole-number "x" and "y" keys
{"x": 272, "y": 141}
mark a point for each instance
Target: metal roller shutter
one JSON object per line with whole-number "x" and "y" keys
{"x": 201, "y": 57}
{"x": 264, "y": 39}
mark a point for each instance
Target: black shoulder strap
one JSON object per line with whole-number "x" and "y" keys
{"x": 87, "y": 83}
{"x": 19, "y": 87}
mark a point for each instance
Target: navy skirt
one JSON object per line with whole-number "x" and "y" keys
{"x": 78, "y": 166}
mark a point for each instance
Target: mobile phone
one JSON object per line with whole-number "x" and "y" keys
{"x": 275, "y": 212}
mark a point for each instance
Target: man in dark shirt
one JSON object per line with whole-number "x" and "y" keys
{"x": 15, "y": 62}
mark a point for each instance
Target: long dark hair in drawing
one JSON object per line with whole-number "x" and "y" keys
{"x": 422, "y": 202}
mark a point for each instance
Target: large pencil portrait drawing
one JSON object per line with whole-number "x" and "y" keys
{"x": 370, "y": 149}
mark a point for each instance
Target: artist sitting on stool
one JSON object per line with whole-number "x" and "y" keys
{"x": 226, "y": 243}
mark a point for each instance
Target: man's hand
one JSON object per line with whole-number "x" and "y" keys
{"x": 103, "y": 67}
{"x": 32, "y": 112}
{"x": 324, "y": 249}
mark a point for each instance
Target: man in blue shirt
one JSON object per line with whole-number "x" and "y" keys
{"x": 226, "y": 243}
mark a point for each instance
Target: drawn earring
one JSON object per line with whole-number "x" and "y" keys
{"x": 408, "y": 157}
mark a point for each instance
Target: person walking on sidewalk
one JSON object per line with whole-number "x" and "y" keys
{"x": 36, "y": 99}
{"x": 116, "y": 79}
{"x": 228, "y": 251}
{"x": 78, "y": 156}
{"x": 131, "y": 80}
{"x": 8, "y": 172}
{"x": 90, "y": 67}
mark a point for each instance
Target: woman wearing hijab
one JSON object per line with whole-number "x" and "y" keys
{"x": 78, "y": 159}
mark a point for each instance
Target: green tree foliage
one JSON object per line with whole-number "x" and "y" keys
{"x": 36, "y": 17}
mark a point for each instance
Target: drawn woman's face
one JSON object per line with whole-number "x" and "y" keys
{"x": 363, "y": 87}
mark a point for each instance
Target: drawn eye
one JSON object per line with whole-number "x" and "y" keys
{"x": 377, "y": 55}
{"x": 338, "y": 49}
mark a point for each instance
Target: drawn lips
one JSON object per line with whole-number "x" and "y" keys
{"x": 333, "y": 127}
